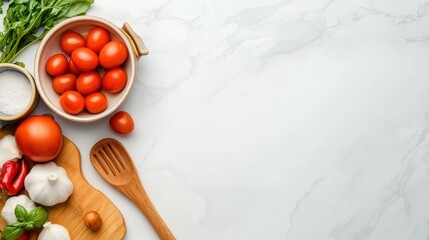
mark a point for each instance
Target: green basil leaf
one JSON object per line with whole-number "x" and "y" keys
{"x": 37, "y": 217}
{"x": 18, "y": 224}
{"x": 20, "y": 213}
{"x": 29, "y": 226}
{"x": 12, "y": 233}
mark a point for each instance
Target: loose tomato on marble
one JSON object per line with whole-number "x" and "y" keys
{"x": 84, "y": 59}
{"x": 88, "y": 82}
{"x": 64, "y": 83}
{"x": 57, "y": 65}
{"x": 114, "y": 80}
{"x": 72, "y": 102}
{"x": 113, "y": 54}
{"x": 70, "y": 41}
{"x": 122, "y": 122}
{"x": 39, "y": 138}
{"x": 95, "y": 102}
{"x": 97, "y": 38}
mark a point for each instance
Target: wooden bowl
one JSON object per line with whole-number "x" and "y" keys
{"x": 34, "y": 98}
{"x": 50, "y": 45}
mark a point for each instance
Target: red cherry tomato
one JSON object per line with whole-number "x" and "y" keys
{"x": 95, "y": 102}
{"x": 72, "y": 102}
{"x": 72, "y": 68}
{"x": 57, "y": 65}
{"x": 85, "y": 59}
{"x": 39, "y": 138}
{"x": 88, "y": 82}
{"x": 70, "y": 41}
{"x": 113, "y": 54}
{"x": 122, "y": 122}
{"x": 114, "y": 80}
{"x": 24, "y": 236}
{"x": 97, "y": 38}
{"x": 64, "y": 83}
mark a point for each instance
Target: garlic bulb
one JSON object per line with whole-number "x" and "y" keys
{"x": 54, "y": 231}
{"x": 48, "y": 184}
{"x": 8, "y": 211}
{"x": 8, "y": 149}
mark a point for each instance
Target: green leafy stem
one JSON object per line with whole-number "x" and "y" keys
{"x": 28, "y": 21}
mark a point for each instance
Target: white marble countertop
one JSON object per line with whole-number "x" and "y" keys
{"x": 270, "y": 119}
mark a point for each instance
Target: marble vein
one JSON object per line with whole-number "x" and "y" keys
{"x": 396, "y": 189}
{"x": 313, "y": 186}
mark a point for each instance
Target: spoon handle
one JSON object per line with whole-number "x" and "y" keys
{"x": 136, "y": 193}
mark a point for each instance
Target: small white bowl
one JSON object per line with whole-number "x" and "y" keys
{"x": 50, "y": 45}
{"x": 34, "y": 97}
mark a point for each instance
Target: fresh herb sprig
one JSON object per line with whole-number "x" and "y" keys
{"x": 28, "y": 21}
{"x": 26, "y": 221}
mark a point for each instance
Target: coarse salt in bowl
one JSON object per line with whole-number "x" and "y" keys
{"x": 50, "y": 45}
{"x": 18, "y": 94}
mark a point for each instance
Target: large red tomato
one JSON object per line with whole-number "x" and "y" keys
{"x": 39, "y": 138}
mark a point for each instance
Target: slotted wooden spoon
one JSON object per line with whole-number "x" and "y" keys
{"x": 112, "y": 161}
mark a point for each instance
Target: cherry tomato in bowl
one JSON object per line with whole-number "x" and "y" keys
{"x": 95, "y": 102}
{"x": 71, "y": 40}
{"x": 72, "y": 68}
{"x": 113, "y": 54}
{"x": 84, "y": 59}
{"x": 56, "y": 65}
{"x": 64, "y": 83}
{"x": 88, "y": 82}
{"x": 72, "y": 102}
{"x": 114, "y": 80}
{"x": 97, "y": 38}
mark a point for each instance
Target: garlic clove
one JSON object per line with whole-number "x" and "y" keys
{"x": 48, "y": 184}
{"x": 54, "y": 231}
{"x": 8, "y": 149}
{"x": 8, "y": 211}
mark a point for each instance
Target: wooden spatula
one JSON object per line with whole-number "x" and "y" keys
{"x": 112, "y": 161}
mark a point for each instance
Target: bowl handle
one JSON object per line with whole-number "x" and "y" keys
{"x": 136, "y": 41}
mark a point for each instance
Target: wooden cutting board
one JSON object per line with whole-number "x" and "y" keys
{"x": 83, "y": 199}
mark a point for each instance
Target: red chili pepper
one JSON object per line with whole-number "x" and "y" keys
{"x": 18, "y": 181}
{"x": 12, "y": 176}
{"x": 8, "y": 172}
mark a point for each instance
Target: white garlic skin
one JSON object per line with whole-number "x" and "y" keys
{"x": 48, "y": 184}
{"x": 8, "y": 211}
{"x": 53, "y": 231}
{"x": 8, "y": 149}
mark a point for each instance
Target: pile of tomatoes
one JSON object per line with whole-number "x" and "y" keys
{"x": 88, "y": 65}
